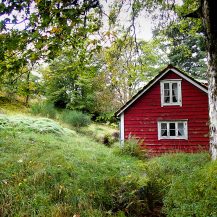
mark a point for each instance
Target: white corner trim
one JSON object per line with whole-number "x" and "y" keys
{"x": 122, "y": 129}
{"x": 170, "y": 69}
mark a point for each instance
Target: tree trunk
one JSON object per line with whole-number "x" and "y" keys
{"x": 209, "y": 10}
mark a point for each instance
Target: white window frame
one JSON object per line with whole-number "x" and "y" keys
{"x": 179, "y": 89}
{"x": 185, "y": 122}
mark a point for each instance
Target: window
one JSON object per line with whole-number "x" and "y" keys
{"x": 171, "y": 92}
{"x": 172, "y": 130}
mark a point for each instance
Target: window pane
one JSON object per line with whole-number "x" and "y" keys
{"x": 175, "y": 92}
{"x": 163, "y": 132}
{"x": 166, "y": 96}
{"x": 163, "y": 129}
{"x": 181, "y": 129}
{"x": 176, "y": 129}
{"x": 172, "y": 129}
{"x": 166, "y": 86}
{"x": 172, "y": 126}
{"x": 172, "y": 132}
{"x": 163, "y": 125}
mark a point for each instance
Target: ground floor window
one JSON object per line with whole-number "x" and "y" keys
{"x": 173, "y": 129}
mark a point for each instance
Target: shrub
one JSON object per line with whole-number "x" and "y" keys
{"x": 106, "y": 117}
{"x": 133, "y": 148}
{"x": 75, "y": 118}
{"x": 44, "y": 109}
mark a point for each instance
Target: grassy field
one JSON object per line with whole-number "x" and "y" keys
{"x": 48, "y": 170}
{"x": 53, "y": 169}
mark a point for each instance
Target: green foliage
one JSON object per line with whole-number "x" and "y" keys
{"x": 70, "y": 79}
{"x": 193, "y": 194}
{"x": 75, "y": 118}
{"x": 44, "y": 109}
{"x": 8, "y": 106}
{"x": 50, "y": 27}
{"x": 50, "y": 24}
{"x": 106, "y": 117}
{"x": 131, "y": 147}
{"x": 66, "y": 175}
{"x": 187, "y": 51}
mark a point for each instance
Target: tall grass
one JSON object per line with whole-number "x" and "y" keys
{"x": 174, "y": 182}
{"x": 44, "y": 109}
{"x": 132, "y": 147}
{"x": 66, "y": 175}
{"x": 75, "y": 118}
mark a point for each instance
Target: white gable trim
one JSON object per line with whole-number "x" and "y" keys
{"x": 190, "y": 80}
{"x": 147, "y": 88}
{"x": 122, "y": 129}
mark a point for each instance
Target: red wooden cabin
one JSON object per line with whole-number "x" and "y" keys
{"x": 170, "y": 114}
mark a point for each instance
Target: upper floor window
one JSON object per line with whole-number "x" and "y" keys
{"x": 171, "y": 92}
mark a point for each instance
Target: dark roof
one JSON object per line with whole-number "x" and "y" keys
{"x": 154, "y": 80}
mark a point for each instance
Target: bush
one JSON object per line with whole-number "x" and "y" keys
{"x": 193, "y": 194}
{"x": 75, "y": 118}
{"x": 106, "y": 117}
{"x": 44, "y": 109}
{"x": 133, "y": 148}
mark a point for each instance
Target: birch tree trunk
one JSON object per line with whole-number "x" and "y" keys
{"x": 209, "y": 14}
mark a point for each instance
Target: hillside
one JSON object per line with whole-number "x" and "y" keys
{"x": 48, "y": 170}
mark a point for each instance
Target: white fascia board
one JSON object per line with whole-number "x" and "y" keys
{"x": 190, "y": 80}
{"x": 170, "y": 69}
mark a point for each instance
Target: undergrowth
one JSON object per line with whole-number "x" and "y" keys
{"x": 184, "y": 184}
{"x": 11, "y": 106}
{"x": 44, "y": 109}
{"x": 131, "y": 147}
{"x": 75, "y": 119}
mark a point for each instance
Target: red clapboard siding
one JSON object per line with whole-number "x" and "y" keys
{"x": 141, "y": 118}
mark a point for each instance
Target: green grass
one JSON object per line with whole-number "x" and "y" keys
{"x": 179, "y": 182}
{"x": 50, "y": 170}
{"x": 64, "y": 174}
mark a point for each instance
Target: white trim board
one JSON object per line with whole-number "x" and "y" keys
{"x": 122, "y": 129}
{"x": 148, "y": 87}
